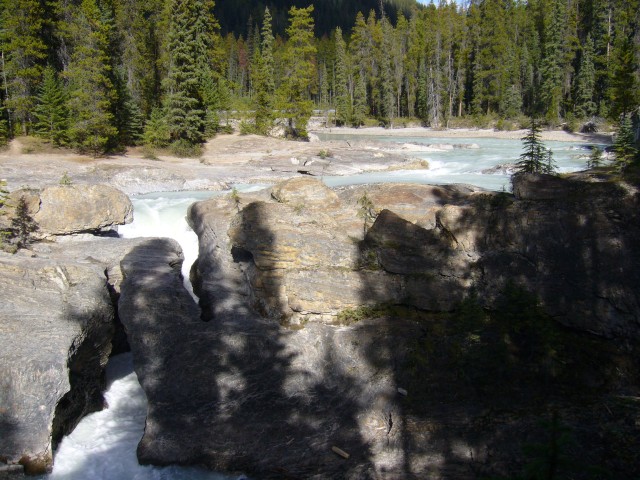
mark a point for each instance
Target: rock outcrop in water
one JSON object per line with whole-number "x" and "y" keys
{"x": 298, "y": 371}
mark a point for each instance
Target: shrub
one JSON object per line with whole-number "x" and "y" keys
{"x": 185, "y": 149}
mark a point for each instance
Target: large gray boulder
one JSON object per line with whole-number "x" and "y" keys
{"x": 72, "y": 209}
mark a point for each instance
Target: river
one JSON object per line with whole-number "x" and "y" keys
{"x": 103, "y": 446}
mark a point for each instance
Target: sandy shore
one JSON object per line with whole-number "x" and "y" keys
{"x": 547, "y": 135}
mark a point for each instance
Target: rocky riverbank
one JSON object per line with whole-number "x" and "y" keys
{"x": 381, "y": 331}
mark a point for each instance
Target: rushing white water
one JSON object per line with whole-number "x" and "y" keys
{"x": 103, "y": 445}
{"x": 461, "y": 160}
{"x": 164, "y": 215}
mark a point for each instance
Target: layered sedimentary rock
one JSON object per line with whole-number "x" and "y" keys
{"x": 266, "y": 378}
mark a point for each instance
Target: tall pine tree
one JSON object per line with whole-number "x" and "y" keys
{"x": 341, "y": 88}
{"x": 585, "y": 82}
{"x": 91, "y": 91}
{"x": 265, "y": 85}
{"x": 24, "y": 53}
{"x": 299, "y": 64}
{"x": 190, "y": 45}
{"x": 51, "y": 112}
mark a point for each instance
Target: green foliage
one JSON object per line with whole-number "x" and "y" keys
{"x": 366, "y": 211}
{"x": 22, "y": 224}
{"x": 189, "y": 84}
{"x": 445, "y": 64}
{"x": 156, "y": 131}
{"x": 235, "y": 198}
{"x": 585, "y": 82}
{"x": 91, "y": 91}
{"x": 65, "y": 179}
{"x": 185, "y": 149}
{"x": 299, "y": 65}
{"x": 596, "y": 158}
{"x": 51, "y": 112}
{"x": 264, "y": 83}
{"x": 535, "y": 158}
{"x": 342, "y": 98}
{"x": 624, "y": 145}
{"x": 24, "y": 52}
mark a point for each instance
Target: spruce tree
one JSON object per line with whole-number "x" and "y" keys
{"x": 4, "y": 128}
{"x": 91, "y": 91}
{"x": 341, "y": 89}
{"x": 264, "y": 85}
{"x": 388, "y": 104}
{"x": 51, "y": 112}
{"x": 298, "y": 59}
{"x": 22, "y": 224}
{"x": 190, "y": 45}
{"x": 596, "y": 158}
{"x": 585, "y": 82}
{"x": 156, "y": 131}
{"x": 24, "y": 53}
{"x": 624, "y": 80}
{"x": 535, "y": 158}
{"x": 551, "y": 68}
{"x": 359, "y": 102}
{"x": 624, "y": 146}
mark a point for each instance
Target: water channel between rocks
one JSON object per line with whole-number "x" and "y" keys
{"x": 103, "y": 446}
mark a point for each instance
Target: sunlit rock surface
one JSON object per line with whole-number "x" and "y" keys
{"x": 72, "y": 209}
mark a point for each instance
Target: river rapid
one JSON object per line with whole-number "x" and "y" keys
{"x": 103, "y": 445}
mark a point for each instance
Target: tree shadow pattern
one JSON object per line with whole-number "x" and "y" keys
{"x": 414, "y": 391}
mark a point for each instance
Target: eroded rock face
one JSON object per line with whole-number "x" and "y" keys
{"x": 56, "y": 327}
{"x": 269, "y": 384}
{"x": 241, "y": 393}
{"x": 571, "y": 242}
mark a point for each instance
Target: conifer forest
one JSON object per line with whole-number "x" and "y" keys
{"x": 99, "y": 75}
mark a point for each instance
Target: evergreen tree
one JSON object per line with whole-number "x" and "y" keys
{"x": 51, "y": 112}
{"x": 156, "y": 131}
{"x": 359, "y": 102}
{"x": 422, "y": 102}
{"x": 22, "y": 224}
{"x": 24, "y": 53}
{"x": 299, "y": 66}
{"x": 4, "y": 129}
{"x": 535, "y": 158}
{"x": 551, "y": 68}
{"x": 624, "y": 145}
{"x": 341, "y": 89}
{"x": 596, "y": 158}
{"x": 91, "y": 92}
{"x": 625, "y": 84}
{"x": 388, "y": 104}
{"x": 265, "y": 85}
{"x": 190, "y": 44}
{"x": 585, "y": 82}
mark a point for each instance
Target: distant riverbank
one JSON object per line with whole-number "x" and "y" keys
{"x": 547, "y": 135}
